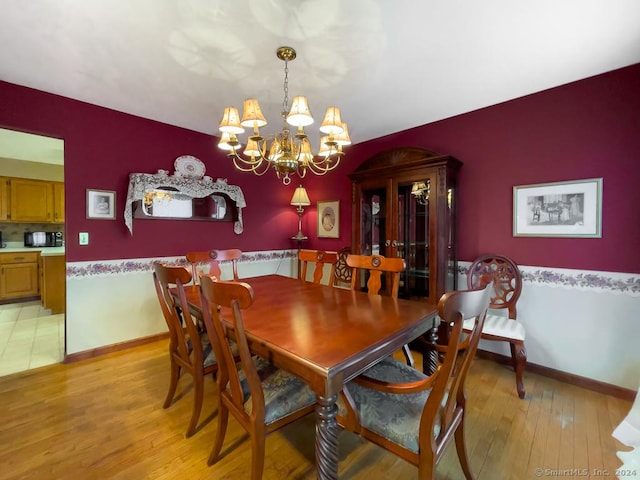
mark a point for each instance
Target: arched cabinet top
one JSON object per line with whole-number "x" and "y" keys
{"x": 404, "y": 159}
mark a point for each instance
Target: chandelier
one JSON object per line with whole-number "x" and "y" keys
{"x": 286, "y": 152}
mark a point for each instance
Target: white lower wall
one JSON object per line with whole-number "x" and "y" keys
{"x": 579, "y": 322}
{"x": 115, "y": 301}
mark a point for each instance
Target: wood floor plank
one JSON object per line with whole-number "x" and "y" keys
{"x": 103, "y": 418}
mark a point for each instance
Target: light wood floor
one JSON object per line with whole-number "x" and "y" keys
{"x": 102, "y": 419}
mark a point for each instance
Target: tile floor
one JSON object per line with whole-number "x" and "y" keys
{"x": 30, "y": 337}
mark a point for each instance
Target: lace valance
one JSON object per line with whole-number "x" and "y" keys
{"x": 140, "y": 183}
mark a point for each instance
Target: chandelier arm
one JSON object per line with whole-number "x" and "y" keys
{"x": 316, "y": 169}
{"x": 244, "y": 162}
{"x": 253, "y": 167}
{"x": 323, "y": 166}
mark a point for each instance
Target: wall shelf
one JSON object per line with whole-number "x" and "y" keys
{"x": 141, "y": 185}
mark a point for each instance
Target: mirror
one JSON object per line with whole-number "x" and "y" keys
{"x": 168, "y": 203}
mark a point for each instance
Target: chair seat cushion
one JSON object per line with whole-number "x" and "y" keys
{"x": 499, "y": 326}
{"x": 284, "y": 393}
{"x": 395, "y": 417}
{"x": 208, "y": 353}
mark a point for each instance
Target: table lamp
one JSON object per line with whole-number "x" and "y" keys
{"x": 300, "y": 199}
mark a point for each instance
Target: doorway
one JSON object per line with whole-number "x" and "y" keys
{"x": 31, "y": 336}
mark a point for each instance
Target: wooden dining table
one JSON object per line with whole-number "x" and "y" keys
{"x": 326, "y": 336}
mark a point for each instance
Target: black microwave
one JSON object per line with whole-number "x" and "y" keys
{"x": 42, "y": 239}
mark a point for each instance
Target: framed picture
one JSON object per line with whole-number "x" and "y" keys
{"x": 561, "y": 209}
{"x": 101, "y": 204}
{"x": 329, "y": 219}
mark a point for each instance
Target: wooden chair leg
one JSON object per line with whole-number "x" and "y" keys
{"x": 426, "y": 466}
{"x": 221, "y": 431}
{"x": 257, "y": 452}
{"x": 519, "y": 358}
{"x": 198, "y": 394}
{"x": 173, "y": 384}
{"x": 462, "y": 451}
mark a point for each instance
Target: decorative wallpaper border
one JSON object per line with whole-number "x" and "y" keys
{"x": 612, "y": 282}
{"x": 118, "y": 267}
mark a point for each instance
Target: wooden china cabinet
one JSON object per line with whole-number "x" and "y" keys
{"x": 404, "y": 206}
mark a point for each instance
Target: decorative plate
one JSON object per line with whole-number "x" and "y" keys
{"x": 189, "y": 166}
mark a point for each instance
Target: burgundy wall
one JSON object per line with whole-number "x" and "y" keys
{"x": 581, "y": 130}
{"x": 103, "y": 146}
{"x": 586, "y": 129}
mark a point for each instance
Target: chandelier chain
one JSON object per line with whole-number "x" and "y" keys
{"x": 285, "y": 102}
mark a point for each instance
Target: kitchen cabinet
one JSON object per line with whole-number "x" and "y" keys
{"x": 58, "y": 202}
{"x": 33, "y": 201}
{"x": 53, "y": 282}
{"x": 404, "y": 206}
{"x": 4, "y": 198}
{"x": 18, "y": 275}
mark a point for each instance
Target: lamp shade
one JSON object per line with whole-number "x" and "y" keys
{"x": 343, "y": 138}
{"x": 327, "y": 147}
{"x": 299, "y": 115}
{"x": 228, "y": 141}
{"x": 252, "y": 150}
{"x": 300, "y": 197}
{"x": 230, "y": 122}
{"x": 332, "y": 123}
{"x": 252, "y": 114}
{"x": 304, "y": 155}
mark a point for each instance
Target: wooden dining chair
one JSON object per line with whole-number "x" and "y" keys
{"x": 189, "y": 349}
{"x": 261, "y": 397}
{"x": 506, "y": 278}
{"x": 413, "y": 415}
{"x": 208, "y": 262}
{"x": 342, "y": 274}
{"x": 376, "y": 266}
{"x": 317, "y": 259}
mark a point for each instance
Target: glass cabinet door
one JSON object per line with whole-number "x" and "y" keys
{"x": 404, "y": 206}
{"x": 413, "y": 241}
{"x": 373, "y": 225}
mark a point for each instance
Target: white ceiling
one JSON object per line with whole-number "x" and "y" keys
{"x": 389, "y": 65}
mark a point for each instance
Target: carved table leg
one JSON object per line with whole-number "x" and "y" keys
{"x": 430, "y": 359}
{"x": 327, "y": 438}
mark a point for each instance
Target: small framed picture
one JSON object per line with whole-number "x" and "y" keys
{"x": 329, "y": 219}
{"x": 101, "y": 204}
{"x": 560, "y": 209}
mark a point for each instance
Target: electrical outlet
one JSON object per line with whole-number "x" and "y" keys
{"x": 83, "y": 238}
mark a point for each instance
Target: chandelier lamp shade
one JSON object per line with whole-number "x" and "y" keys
{"x": 289, "y": 151}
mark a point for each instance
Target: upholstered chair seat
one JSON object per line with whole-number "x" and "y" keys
{"x": 395, "y": 417}
{"x": 283, "y": 393}
{"x": 499, "y": 326}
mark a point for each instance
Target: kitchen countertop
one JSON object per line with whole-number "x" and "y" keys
{"x": 44, "y": 251}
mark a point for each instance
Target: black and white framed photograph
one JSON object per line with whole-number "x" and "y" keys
{"x": 560, "y": 209}
{"x": 329, "y": 219}
{"x": 101, "y": 204}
